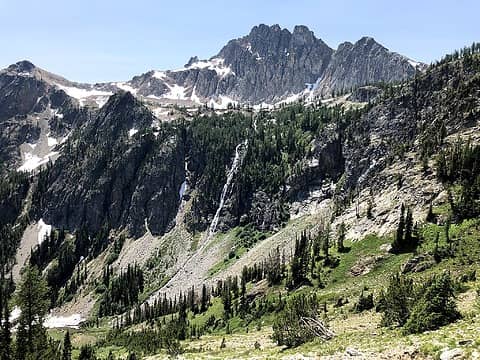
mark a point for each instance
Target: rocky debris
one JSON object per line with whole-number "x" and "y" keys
{"x": 365, "y": 94}
{"x": 451, "y": 354}
{"x": 386, "y": 247}
{"x": 352, "y": 352}
{"x": 364, "y": 265}
{"x": 418, "y": 263}
{"x": 465, "y": 342}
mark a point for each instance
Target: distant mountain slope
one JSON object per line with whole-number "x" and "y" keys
{"x": 271, "y": 63}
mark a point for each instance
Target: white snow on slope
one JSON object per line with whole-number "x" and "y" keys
{"x": 80, "y": 94}
{"x": 31, "y": 161}
{"x": 159, "y": 75}
{"x": 183, "y": 187}
{"x": 43, "y": 231}
{"x": 195, "y": 97}
{"x": 126, "y": 87}
{"x": 15, "y": 314}
{"x": 99, "y": 96}
{"x": 216, "y": 64}
{"x": 132, "y": 132}
{"x": 414, "y": 63}
{"x": 51, "y": 141}
{"x": 73, "y": 321}
{"x": 222, "y": 102}
{"x": 176, "y": 92}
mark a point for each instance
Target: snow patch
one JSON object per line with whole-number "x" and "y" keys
{"x": 43, "y": 231}
{"x": 15, "y": 314}
{"x": 159, "y": 75}
{"x": 51, "y": 141}
{"x": 414, "y": 63}
{"x": 194, "y": 97}
{"x": 32, "y": 161}
{"x": 215, "y": 64}
{"x": 99, "y": 96}
{"x": 176, "y": 92}
{"x": 73, "y": 321}
{"x": 126, "y": 87}
{"x": 222, "y": 102}
{"x": 132, "y": 132}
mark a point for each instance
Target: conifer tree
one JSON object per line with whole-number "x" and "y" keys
{"x": 341, "y": 237}
{"x": 32, "y": 299}
{"x": 67, "y": 347}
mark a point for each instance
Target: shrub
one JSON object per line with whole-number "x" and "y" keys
{"x": 436, "y": 306}
{"x": 364, "y": 303}
{"x": 288, "y": 328}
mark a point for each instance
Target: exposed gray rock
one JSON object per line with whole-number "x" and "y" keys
{"x": 271, "y": 63}
{"x": 365, "y": 94}
{"x": 116, "y": 177}
{"x": 362, "y": 63}
{"x": 418, "y": 263}
{"x": 451, "y": 354}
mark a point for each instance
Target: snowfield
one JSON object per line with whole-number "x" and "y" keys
{"x": 215, "y": 64}
{"x": 43, "y": 230}
{"x": 83, "y": 94}
{"x": 52, "y": 321}
{"x": 32, "y": 161}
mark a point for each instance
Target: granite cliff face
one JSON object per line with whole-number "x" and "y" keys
{"x": 116, "y": 170}
{"x": 270, "y": 64}
{"x": 363, "y": 63}
{"x": 31, "y": 106}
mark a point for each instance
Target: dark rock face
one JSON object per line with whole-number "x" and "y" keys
{"x": 271, "y": 63}
{"x": 116, "y": 177}
{"x": 363, "y": 63}
{"x": 24, "y": 97}
{"x": 365, "y": 94}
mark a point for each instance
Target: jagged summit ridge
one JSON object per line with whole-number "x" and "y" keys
{"x": 268, "y": 65}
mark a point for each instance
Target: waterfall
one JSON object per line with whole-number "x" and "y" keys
{"x": 237, "y": 161}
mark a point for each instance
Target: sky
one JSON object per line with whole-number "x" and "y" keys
{"x": 113, "y": 40}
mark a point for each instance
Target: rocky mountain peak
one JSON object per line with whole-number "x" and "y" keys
{"x": 22, "y": 66}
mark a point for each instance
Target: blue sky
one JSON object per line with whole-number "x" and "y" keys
{"x": 107, "y": 40}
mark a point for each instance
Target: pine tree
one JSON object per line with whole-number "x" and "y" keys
{"x": 67, "y": 347}
{"x": 6, "y": 337}
{"x": 204, "y": 299}
{"x": 398, "y": 243}
{"x": 396, "y": 301}
{"x": 33, "y": 301}
{"x": 341, "y": 237}
{"x": 408, "y": 242}
{"x": 436, "y": 306}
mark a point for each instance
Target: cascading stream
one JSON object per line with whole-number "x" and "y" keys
{"x": 237, "y": 161}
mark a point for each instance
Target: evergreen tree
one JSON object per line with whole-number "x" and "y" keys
{"x": 342, "y": 230}
{"x": 408, "y": 242}
{"x": 6, "y": 336}
{"x": 32, "y": 299}
{"x": 396, "y": 301}
{"x": 87, "y": 352}
{"x": 398, "y": 240}
{"x": 67, "y": 347}
{"x": 436, "y": 306}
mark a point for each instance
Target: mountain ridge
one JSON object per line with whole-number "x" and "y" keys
{"x": 268, "y": 65}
